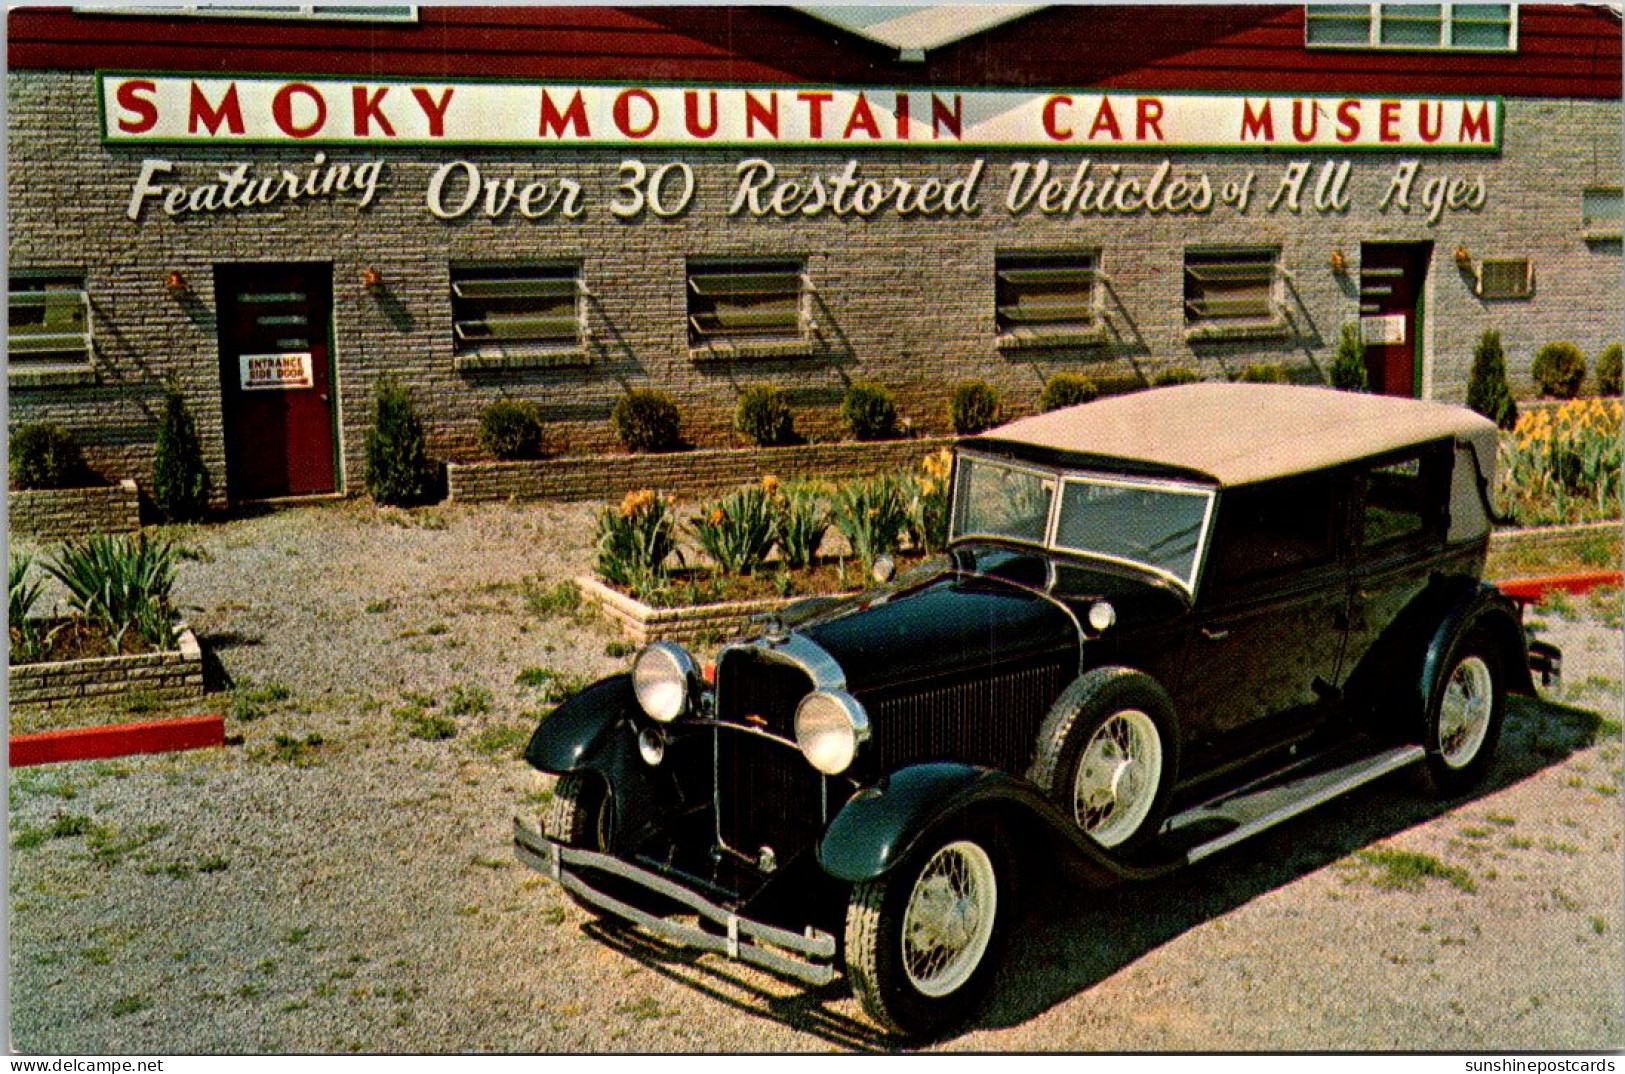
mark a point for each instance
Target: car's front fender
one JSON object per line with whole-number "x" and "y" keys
{"x": 587, "y": 729}
{"x": 880, "y": 825}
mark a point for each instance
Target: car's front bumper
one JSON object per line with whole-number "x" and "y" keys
{"x": 807, "y": 956}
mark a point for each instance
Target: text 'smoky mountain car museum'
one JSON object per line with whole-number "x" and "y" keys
{"x": 558, "y": 204}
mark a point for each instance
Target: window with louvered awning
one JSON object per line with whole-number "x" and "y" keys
{"x": 746, "y": 300}
{"x": 1049, "y": 293}
{"x": 49, "y": 321}
{"x": 1228, "y": 286}
{"x": 514, "y": 305}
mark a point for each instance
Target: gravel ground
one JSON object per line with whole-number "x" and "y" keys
{"x": 330, "y": 883}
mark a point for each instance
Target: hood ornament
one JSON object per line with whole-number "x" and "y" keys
{"x": 774, "y": 630}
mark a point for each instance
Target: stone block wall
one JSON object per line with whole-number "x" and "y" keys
{"x": 160, "y": 677}
{"x": 75, "y": 512}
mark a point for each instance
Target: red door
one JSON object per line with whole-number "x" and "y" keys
{"x": 1391, "y": 279}
{"x": 276, "y": 379}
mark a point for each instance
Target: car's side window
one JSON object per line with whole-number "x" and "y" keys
{"x": 1265, "y": 531}
{"x": 1401, "y": 501}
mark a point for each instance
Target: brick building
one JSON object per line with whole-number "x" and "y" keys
{"x": 275, "y": 209}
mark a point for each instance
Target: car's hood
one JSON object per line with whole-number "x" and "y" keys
{"x": 951, "y": 622}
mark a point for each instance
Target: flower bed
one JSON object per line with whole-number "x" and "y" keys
{"x": 161, "y": 677}
{"x": 1561, "y": 464}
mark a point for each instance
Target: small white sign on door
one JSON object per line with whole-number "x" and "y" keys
{"x": 276, "y": 371}
{"x": 1384, "y": 329}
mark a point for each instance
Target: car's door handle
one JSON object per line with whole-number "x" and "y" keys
{"x": 1214, "y": 635}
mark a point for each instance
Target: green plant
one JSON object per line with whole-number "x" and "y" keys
{"x": 801, "y": 522}
{"x": 562, "y": 598}
{"x": 468, "y": 700}
{"x": 738, "y": 532}
{"x": 764, "y": 416}
{"x": 870, "y": 412}
{"x": 26, "y": 640}
{"x": 647, "y": 420}
{"x": 1406, "y": 870}
{"x": 1178, "y": 374}
{"x": 1348, "y": 367}
{"x": 45, "y": 456}
{"x": 425, "y": 725}
{"x": 1263, "y": 373}
{"x": 635, "y": 540}
{"x": 1487, "y": 390}
{"x": 180, "y": 480}
{"x": 974, "y": 407}
{"x": 122, "y": 582}
{"x": 512, "y": 429}
{"x": 1067, "y": 389}
{"x": 250, "y": 702}
{"x": 872, "y": 515}
{"x": 926, "y": 502}
{"x": 1562, "y": 464}
{"x": 1607, "y": 372}
{"x": 399, "y": 472}
{"x": 554, "y": 686}
{"x": 500, "y": 740}
{"x": 1559, "y": 369}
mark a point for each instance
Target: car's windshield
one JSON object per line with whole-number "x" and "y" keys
{"x": 1154, "y": 524}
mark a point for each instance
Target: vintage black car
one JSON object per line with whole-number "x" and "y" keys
{"x": 1165, "y": 621}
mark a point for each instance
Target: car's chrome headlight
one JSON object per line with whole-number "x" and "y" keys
{"x": 664, "y": 678}
{"x": 830, "y": 726}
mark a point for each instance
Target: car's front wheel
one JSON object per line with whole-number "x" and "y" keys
{"x": 1107, "y": 755}
{"x": 578, "y": 815}
{"x": 922, "y": 941}
{"x": 1462, "y": 720}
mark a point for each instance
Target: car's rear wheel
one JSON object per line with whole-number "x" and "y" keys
{"x": 1462, "y": 720}
{"x": 922, "y": 941}
{"x": 1107, "y": 755}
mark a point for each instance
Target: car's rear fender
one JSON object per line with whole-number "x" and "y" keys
{"x": 881, "y": 824}
{"x": 1482, "y": 608}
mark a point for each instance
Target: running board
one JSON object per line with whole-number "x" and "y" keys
{"x": 1266, "y": 804}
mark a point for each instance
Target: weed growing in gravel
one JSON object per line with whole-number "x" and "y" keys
{"x": 294, "y": 750}
{"x": 546, "y": 602}
{"x": 109, "y": 845}
{"x": 434, "y": 630}
{"x": 1556, "y": 603}
{"x": 642, "y": 1008}
{"x": 1500, "y": 820}
{"x": 469, "y": 700}
{"x": 296, "y": 936}
{"x": 428, "y": 726}
{"x": 554, "y": 686}
{"x": 1407, "y": 870}
{"x": 130, "y": 1005}
{"x": 619, "y": 649}
{"x": 140, "y": 702}
{"x": 213, "y": 863}
{"x": 1564, "y": 899}
{"x": 1599, "y": 926}
{"x": 62, "y": 826}
{"x": 421, "y": 700}
{"x": 250, "y": 702}
{"x": 500, "y": 740}
{"x": 378, "y": 607}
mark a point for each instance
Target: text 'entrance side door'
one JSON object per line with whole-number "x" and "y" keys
{"x": 276, "y": 379}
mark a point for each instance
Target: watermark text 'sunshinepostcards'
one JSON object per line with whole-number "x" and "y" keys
{"x": 1539, "y": 1066}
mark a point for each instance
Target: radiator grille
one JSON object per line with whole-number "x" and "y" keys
{"x": 767, "y": 793}
{"x": 988, "y": 720}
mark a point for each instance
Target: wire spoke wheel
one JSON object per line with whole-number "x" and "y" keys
{"x": 949, "y": 918}
{"x": 1118, "y": 775}
{"x": 1465, "y": 711}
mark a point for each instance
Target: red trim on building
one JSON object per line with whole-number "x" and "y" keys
{"x": 118, "y": 740}
{"x": 1563, "y": 51}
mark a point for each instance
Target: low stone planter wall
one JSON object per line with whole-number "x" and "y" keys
{"x": 684, "y": 473}
{"x": 643, "y": 623}
{"x": 75, "y": 512}
{"x": 176, "y": 675}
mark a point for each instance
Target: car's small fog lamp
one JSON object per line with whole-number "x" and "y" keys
{"x": 651, "y": 746}
{"x": 1102, "y": 616}
{"x": 830, "y": 726}
{"x": 664, "y": 678}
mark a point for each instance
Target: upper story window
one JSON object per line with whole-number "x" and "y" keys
{"x": 742, "y": 301}
{"x": 1601, "y": 212}
{"x": 1467, "y": 27}
{"x": 1046, "y": 298}
{"x": 515, "y": 311}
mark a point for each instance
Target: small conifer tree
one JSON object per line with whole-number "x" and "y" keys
{"x": 398, "y": 467}
{"x": 1487, "y": 390}
{"x": 180, "y": 480}
{"x": 1348, "y": 368}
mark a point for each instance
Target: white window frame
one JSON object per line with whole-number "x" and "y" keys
{"x": 1447, "y": 31}
{"x": 472, "y": 282}
{"x": 743, "y": 269}
{"x": 80, "y": 345}
{"x": 1014, "y": 325}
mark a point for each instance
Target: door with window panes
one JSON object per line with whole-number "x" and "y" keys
{"x": 276, "y": 379}
{"x": 1392, "y": 275}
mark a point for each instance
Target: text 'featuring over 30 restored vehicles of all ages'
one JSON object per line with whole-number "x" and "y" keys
{"x": 1165, "y": 621}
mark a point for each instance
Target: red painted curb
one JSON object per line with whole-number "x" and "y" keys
{"x": 1577, "y": 582}
{"x": 118, "y": 740}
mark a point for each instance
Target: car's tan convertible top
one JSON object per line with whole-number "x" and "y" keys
{"x": 1239, "y": 434}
